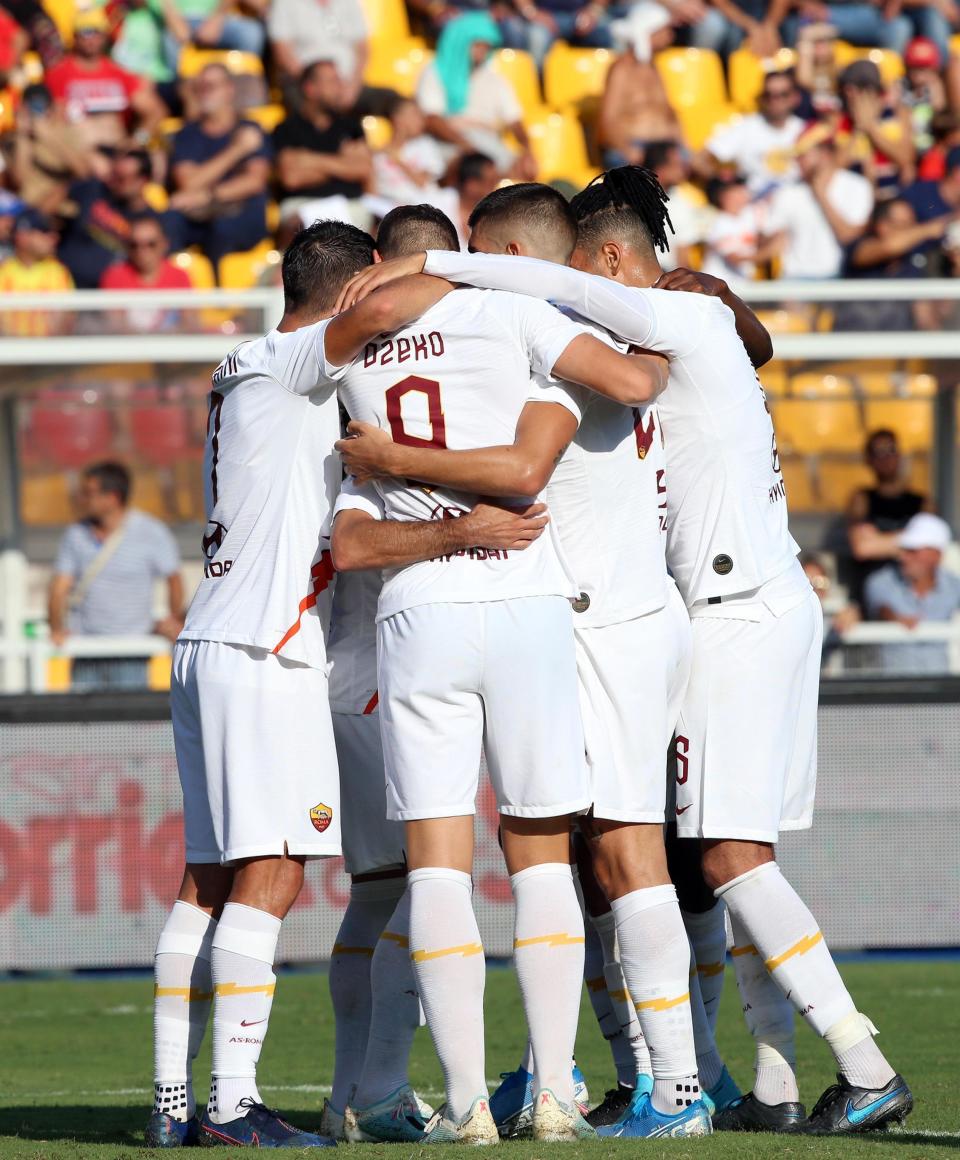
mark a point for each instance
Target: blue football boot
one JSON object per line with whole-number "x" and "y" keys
{"x": 641, "y": 1120}
{"x": 164, "y": 1131}
{"x": 261, "y": 1127}
{"x": 722, "y": 1094}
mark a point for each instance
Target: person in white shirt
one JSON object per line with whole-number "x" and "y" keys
{"x": 824, "y": 213}
{"x": 251, "y": 718}
{"x": 760, "y": 143}
{"x": 746, "y": 742}
{"x": 735, "y": 244}
{"x": 478, "y": 647}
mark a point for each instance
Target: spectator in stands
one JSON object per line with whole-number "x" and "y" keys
{"x": 213, "y": 24}
{"x": 32, "y": 269}
{"x": 468, "y": 104}
{"x": 408, "y": 168}
{"x": 635, "y": 110}
{"x": 916, "y": 590}
{"x": 33, "y": 18}
{"x": 13, "y": 42}
{"x": 945, "y": 131}
{"x": 867, "y": 23}
{"x": 816, "y": 71}
{"x": 727, "y": 24}
{"x": 10, "y": 207}
{"x": 736, "y": 244}
{"x": 533, "y": 25}
{"x": 434, "y": 14}
{"x": 147, "y": 268}
{"x": 304, "y": 31}
{"x": 689, "y": 217}
{"x": 98, "y": 228}
{"x": 821, "y": 215}
{"x": 102, "y": 583}
{"x": 474, "y": 176}
{"x": 837, "y": 623}
{"x": 105, "y": 101}
{"x": 935, "y": 200}
{"x": 876, "y": 515}
{"x": 220, "y": 168}
{"x": 761, "y": 144}
{"x": 874, "y": 134}
{"x": 923, "y": 89}
{"x": 321, "y": 151}
{"x": 47, "y": 152}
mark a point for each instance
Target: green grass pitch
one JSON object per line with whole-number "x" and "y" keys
{"x": 75, "y": 1066}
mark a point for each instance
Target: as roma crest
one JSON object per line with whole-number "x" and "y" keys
{"x": 321, "y": 816}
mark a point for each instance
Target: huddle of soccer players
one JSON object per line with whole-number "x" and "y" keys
{"x": 429, "y": 609}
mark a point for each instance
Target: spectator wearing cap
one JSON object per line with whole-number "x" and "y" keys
{"x": 822, "y": 214}
{"x": 934, "y": 22}
{"x": 220, "y": 168}
{"x": 923, "y": 90}
{"x": 106, "y": 102}
{"x": 147, "y": 267}
{"x": 33, "y": 269}
{"x": 761, "y": 144}
{"x": 916, "y": 590}
{"x": 736, "y": 242}
{"x": 873, "y": 131}
{"x": 321, "y": 150}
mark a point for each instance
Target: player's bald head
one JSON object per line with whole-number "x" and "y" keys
{"x": 530, "y": 219}
{"x": 409, "y": 229}
{"x": 319, "y": 262}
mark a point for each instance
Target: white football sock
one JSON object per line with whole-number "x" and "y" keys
{"x": 655, "y": 958}
{"x": 448, "y": 962}
{"x": 244, "y": 948}
{"x": 368, "y": 912}
{"x": 787, "y": 938}
{"x": 395, "y": 1010}
{"x": 708, "y": 937}
{"x": 183, "y": 994}
{"x": 859, "y": 1059}
{"x": 528, "y": 1065}
{"x": 548, "y": 955}
{"x": 630, "y": 1052}
{"x": 709, "y": 1061}
{"x": 769, "y": 1017}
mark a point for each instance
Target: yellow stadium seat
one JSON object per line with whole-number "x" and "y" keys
{"x": 386, "y": 19}
{"x": 198, "y": 268}
{"x": 784, "y": 321}
{"x": 273, "y": 216}
{"x": 745, "y": 73}
{"x": 397, "y": 65}
{"x": 241, "y": 271}
{"x": 692, "y": 77}
{"x": 559, "y": 147}
{"x": 377, "y": 131}
{"x": 572, "y": 75}
{"x": 156, "y": 197}
{"x": 63, "y": 14}
{"x": 886, "y": 60}
{"x": 700, "y": 122}
{"x": 918, "y": 473}
{"x": 773, "y": 379}
{"x": 911, "y": 419}
{"x": 820, "y": 385}
{"x": 920, "y": 386}
{"x": 159, "y": 668}
{"x": 838, "y": 479}
{"x": 268, "y": 117}
{"x": 518, "y": 68}
{"x": 149, "y": 495}
{"x": 817, "y": 426}
{"x": 45, "y": 500}
{"x": 796, "y": 475}
{"x": 241, "y": 64}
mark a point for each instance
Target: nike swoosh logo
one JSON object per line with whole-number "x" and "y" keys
{"x": 858, "y": 1115}
{"x": 253, "y": 1023}
{"x": 681, "y": 810}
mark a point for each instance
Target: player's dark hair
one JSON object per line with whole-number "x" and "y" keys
{"x": 112, "y": 478}
{"x": 408, "y": 229}
{"x": 533, "y": 208}
{"x": 471, "y": 167}
{"x": 318, "y": 263}
{"x": 628, "y": 202}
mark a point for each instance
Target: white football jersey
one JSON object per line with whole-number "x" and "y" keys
{"x": 459, "y": 378}
{"x": 271, "y": 476}
{"x": 607, "y": 497}
{"x": 726, "y": 500}
{"x": 352, "y": 640}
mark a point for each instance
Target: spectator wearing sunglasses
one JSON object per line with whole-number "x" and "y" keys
{"x": 146, "y": 267}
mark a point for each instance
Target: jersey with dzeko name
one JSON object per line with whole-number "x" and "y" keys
{"x": 271, "y": 477}
{"x": 607, "y": 497}
{"x": 459, "y": 378}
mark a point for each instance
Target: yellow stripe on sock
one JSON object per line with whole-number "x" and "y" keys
{"x": 620, "y": 997}
{"x": 465, "y": 950}
{"x": 188, "y": 994}
{"x": 710, "y": 970}
{"x": 597, "y": 984}
{"x": 550, "y": 940}
{"x": 340, "y": 949}
{"x": 807, "y": 943}
{"x": 662, "y": 1004}
{"x": 228, "y": 990}
{"x": 399, "y": 939}
{"x": 749, "y": 949}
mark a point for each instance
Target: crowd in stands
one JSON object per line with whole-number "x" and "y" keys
{"x": 798, "y": 139}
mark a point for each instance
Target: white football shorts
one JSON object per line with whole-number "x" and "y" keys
{"x": 746, "y": 742}
{"x": 633, "y": 677}
{"x": 256, "y": 755}
{"x": 498, "y": 677}
{"x": 371, "y": 841}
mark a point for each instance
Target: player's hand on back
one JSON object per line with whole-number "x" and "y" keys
{"x": 366, "y": 451}
{"x": 506, "y": 529}
{"x": 692, "y": 282}
{"x": 365, "y": 281}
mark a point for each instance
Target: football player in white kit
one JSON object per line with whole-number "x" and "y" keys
{"x": 747, "y": 739}
{"x": 607, "y": 498}
{"x": 251, "y": 720}
{"x": 477, "y": 648}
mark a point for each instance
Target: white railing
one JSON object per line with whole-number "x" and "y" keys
{"x": 889, "y": 633}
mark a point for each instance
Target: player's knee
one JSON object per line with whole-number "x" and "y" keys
{"x": 728, "y": 859}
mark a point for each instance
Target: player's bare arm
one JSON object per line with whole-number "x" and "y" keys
{"x": 381, "y": 274}
{"x": 387, "y": 310}
{"x": 753, "y": 334}
{"x": 359, "y": 541}
{"x": 632, "y": 379}
{"x": 544, "y": 431}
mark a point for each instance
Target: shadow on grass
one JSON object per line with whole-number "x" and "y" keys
{"x": 93, "y": 1125}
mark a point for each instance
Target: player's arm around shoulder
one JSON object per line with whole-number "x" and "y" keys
{"x": 753, "y": 334}
{"x": 632, "y": 379}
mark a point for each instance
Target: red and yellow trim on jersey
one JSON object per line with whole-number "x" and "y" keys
{"x": 560, "y": 939}
{"x": 663, "y": 1004}
{"x": 807, "y": 943}
{"x": 187, "y": 994}
{"x": 230, "y": 990}
{"x": 321, "y": 575}
{"x": 466, "y": 950}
